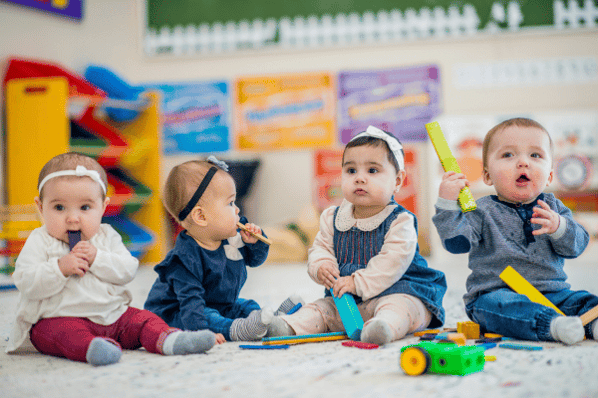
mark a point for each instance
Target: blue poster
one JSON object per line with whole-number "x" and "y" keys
{"x": 195, "y": 117}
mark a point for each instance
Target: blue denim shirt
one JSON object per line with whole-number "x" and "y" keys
{"x": 354, "y": 248}
{"x": 498, "y": 234}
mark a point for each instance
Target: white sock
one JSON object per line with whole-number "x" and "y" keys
{"x": 567, "y": 329}
{"x": 289, "y": 303}
{"x": 252, "y": 328}
{"x": 377, "y": 331}
{"x": 183, "y": 343}
{"x": 102, "y": 352}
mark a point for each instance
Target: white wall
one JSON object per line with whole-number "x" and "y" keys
{"x": 111, "y": 35}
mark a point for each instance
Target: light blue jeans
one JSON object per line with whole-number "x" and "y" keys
{"x": 511, "y": 314}
{"x": 219, "y": 321}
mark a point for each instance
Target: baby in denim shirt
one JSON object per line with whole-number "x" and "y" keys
{"x": 522, "y": 227}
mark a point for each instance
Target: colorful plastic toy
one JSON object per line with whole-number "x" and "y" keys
{"x": 520, "y": 285}
{"x": 444, "y": 358}
{"x": 350, "y": 316}
{"x": 449, "y": 163}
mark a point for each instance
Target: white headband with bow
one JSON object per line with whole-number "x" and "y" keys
{"x": 80, "y": 171}
{"x": 394, "y": 144}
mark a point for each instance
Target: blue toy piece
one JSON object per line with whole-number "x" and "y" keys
{"x": 116, "y": 88}
{"x": 350, "y": 316}
{"x": 264, "y": 347}
{"x": 74, "y": 238}
{"x": 515, "y": 346}
{"x": 295, "y": 308}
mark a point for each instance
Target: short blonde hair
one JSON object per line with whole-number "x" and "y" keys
{"x": 181, "y": 184}
{"x": 517, "y": 122}
{"x": 70, "y": 161}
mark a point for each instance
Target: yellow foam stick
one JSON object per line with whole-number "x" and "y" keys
{"x": 449, "y": 163}
{"x": 522, "y": 286}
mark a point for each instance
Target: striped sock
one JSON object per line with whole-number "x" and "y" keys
{"x": 289, "y": 303}
{"x": 252, "y": 328}
{"x": 102, "y": 352}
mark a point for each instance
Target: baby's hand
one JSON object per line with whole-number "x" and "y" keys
{"x": 220, "y": 338}
{"x": 85, "y": 250}
{"x": 452, "y": 183}
{"x": 546, "y": 217}
{"x": 343, "y": 285}
{"x": 327, "y": 274}
{"x": 72, "y": 265}
{"x": 247, "y": 237}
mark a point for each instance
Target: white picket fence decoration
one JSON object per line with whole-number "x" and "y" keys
{"x": 352, "y": 29}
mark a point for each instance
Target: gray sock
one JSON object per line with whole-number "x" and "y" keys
{"x": 288, "y": 304}
{"x": 567, "y": 329}
{"x": 102, "y": 352}
{"x": 279, "y": 327}
{"x": 595, "y": 329}
{"x": 378, "y": 332}
{"x": 184, "y": 343}
{"x": 252, "y": 328}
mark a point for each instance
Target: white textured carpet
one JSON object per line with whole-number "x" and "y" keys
{"x": 307, "y": 370}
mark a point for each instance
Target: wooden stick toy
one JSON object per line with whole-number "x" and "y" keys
{"x": 307, "y": 338}
{"x": 520, "y": 285}
{"x": 258, "y": 236}
{"x": 589, "y": 316}
{"x": 449, "y": 163}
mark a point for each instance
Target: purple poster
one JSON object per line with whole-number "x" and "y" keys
{"x": 67, "y": 8}
{"x": 400, "y": 101}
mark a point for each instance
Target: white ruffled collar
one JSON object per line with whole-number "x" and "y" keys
{"x": 344, "y": 218}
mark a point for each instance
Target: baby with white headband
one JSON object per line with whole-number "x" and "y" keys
{"x": 73, "y": 301}
{"x": 368, "y": 247}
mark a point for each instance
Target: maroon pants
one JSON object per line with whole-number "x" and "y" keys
{"x": 69, "y": 337}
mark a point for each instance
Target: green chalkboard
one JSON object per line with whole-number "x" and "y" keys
{"x": 171, "y": 13}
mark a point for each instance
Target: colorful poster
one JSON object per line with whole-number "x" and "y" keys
{"x": 195, "y": 116}
{"x": 328, "y": 169}
{"x": 400, "y": 101}
{"x": 67, "y": 8}
{"x": 290, "y": 111}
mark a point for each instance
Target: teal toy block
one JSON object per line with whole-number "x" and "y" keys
{"x": 350, "y": 316}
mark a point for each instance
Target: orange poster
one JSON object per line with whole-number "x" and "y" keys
{"x": 281, "y": 112}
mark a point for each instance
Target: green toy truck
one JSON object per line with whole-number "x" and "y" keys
{"x": 445, "y": 358}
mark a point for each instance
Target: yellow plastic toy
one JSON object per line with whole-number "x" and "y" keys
{"x": 449, "y": 163}
{"x": 520, "y": 285}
